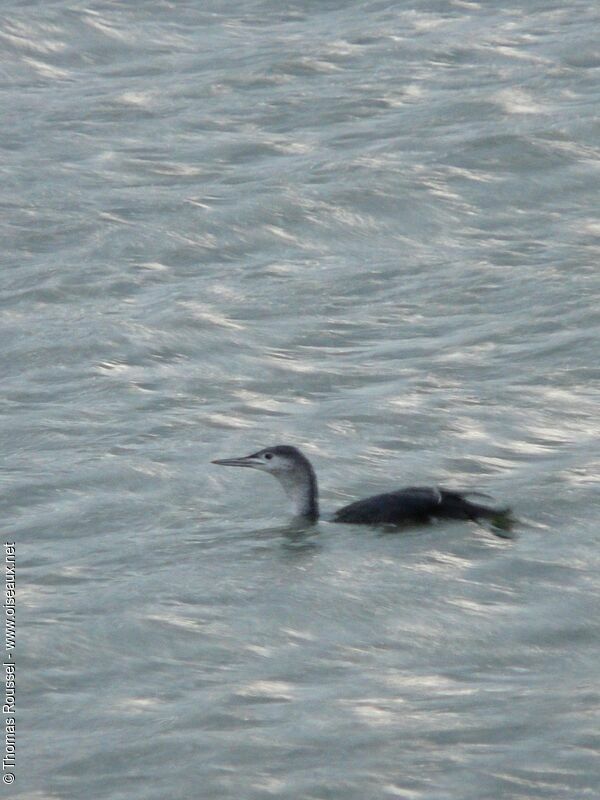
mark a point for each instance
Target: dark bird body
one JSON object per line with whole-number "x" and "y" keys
{"x": 415, "y": 504}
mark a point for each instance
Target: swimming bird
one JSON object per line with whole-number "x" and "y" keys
{"x": 414, "y": 504}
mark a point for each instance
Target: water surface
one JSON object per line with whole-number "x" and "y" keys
{"x": 366, "y": 229}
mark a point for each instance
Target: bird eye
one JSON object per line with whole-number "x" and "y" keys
{"x": 269, "y": 456}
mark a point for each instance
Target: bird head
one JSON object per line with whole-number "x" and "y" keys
{"x": 277, "y": 460}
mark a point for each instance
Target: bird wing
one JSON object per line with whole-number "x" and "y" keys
{"x": 413, "y": 504}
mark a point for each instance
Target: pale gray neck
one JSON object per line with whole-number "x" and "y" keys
{"x": 300, "y": 485}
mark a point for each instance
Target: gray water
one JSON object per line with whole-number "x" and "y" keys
{"x": 371, "y": 230}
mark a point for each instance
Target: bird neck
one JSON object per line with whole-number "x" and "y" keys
{"x": 300, "y": 485}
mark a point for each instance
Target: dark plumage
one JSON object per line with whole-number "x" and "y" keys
{"x": 415, "y": 504}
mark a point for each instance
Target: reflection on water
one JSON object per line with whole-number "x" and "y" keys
{"x": 367, "y": 231}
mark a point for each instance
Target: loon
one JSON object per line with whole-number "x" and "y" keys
{"x": 414, "y": 504}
